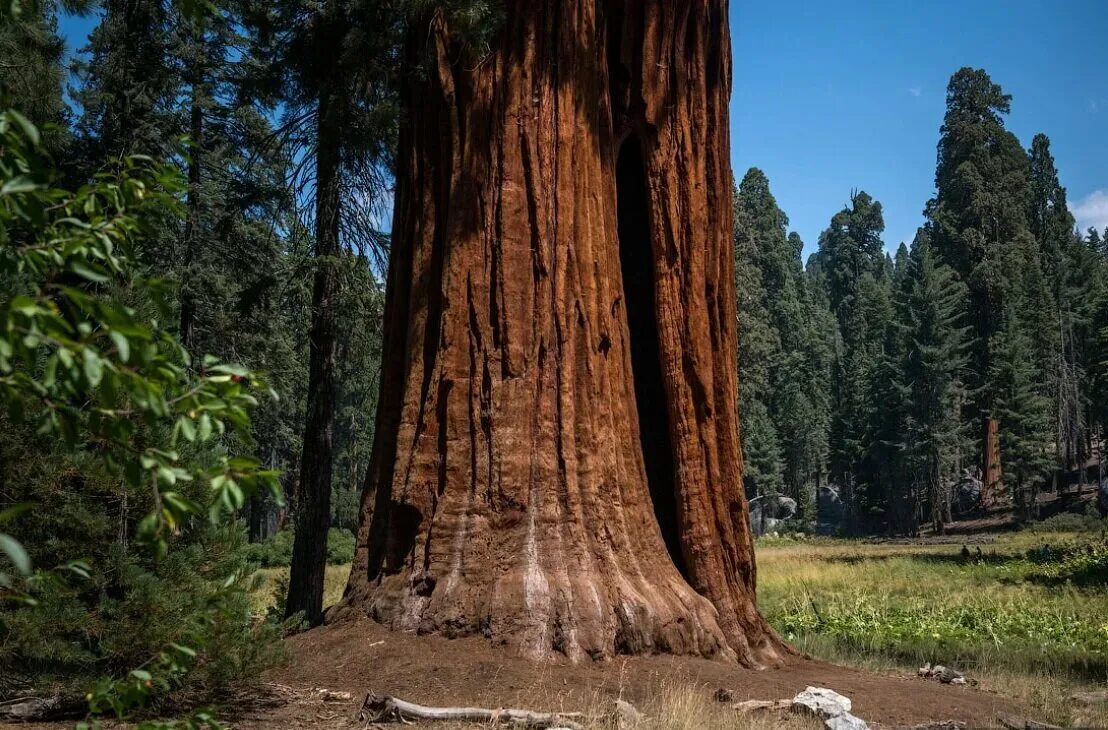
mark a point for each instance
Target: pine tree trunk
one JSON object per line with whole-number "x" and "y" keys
{"x": 992, "y": 484}
{"x": 556, "y": 461}
{"x": 192, "y": 221}
{"x": 313, "y": 505}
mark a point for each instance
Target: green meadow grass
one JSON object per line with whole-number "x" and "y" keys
{"x": 1027, "y": 617}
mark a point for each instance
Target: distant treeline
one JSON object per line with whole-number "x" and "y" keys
{"x": 875, "y": 375}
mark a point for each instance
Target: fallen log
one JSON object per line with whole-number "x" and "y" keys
{"x": 384, "y": 708}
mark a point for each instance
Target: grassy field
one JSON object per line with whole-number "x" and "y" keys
{"x": 1027, "y": 617}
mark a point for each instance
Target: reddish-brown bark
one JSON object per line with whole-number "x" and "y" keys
{"x": 508, "y": 493}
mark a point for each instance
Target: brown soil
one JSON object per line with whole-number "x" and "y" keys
{"x": 361, "y": 656}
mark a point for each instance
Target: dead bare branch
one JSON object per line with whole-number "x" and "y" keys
{"x": 383, "y": 709}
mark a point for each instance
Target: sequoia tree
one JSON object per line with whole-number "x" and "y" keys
{"x": 556, "y": 461}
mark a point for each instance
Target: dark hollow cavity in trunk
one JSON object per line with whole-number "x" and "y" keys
{"x": 636, "y": 257}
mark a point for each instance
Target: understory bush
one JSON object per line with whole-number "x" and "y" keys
{"x": 133, "y": 606}
{"x": 276, "y": 552}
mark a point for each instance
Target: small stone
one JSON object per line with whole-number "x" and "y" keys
{"x": 627, "y": 715}
{"x": 725, "y": 695}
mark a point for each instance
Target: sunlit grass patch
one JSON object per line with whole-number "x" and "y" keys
{"x": 273, "y": 582}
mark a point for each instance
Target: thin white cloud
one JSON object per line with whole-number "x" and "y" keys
{"x": 1092, "y": 210}
{"x": 915, "y": 91}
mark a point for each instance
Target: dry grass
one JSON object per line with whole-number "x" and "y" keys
{"x": 684, "y": 706}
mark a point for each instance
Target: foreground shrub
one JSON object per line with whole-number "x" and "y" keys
{"x": 119, "y": 459}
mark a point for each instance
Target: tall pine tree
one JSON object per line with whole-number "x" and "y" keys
{"x": 932, "y": 314}
{"x": 978, "y": 224}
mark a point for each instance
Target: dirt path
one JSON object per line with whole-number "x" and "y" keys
{"x": 360, "y": 656}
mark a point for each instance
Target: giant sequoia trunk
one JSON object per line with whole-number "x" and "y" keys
{"x": 557, "y": 464}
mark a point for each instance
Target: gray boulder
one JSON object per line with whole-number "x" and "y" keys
{"x": 967, "y": 493}
{"x": 769, "y": 512}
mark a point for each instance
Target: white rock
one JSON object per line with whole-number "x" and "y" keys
{"x": 822, "y": 701}
{"x": 833, "y": 707}
{"x": 845, "y": 721}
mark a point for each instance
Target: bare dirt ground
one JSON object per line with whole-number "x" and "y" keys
{"x": 360, "y": 656}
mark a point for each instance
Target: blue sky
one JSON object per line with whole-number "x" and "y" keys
{"x": 831, "y": 95}
{"x": 835, "y": 95}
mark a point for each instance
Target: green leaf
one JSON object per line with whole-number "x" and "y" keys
{"x": 182, "y": 649}
{"x": 79, "y": 567}
{"x": 93, "y": 367}
{"x": 15, "y": 552}
{"x": 123, "y": 345}
{"x": 205, "y": 427}
{"x": 30, "y": 131}
{"x": 88, "y": 271}
{"x": 50, "y": 374}
{"x": 188, "y": 429}
{"x": 21, "y": 184}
